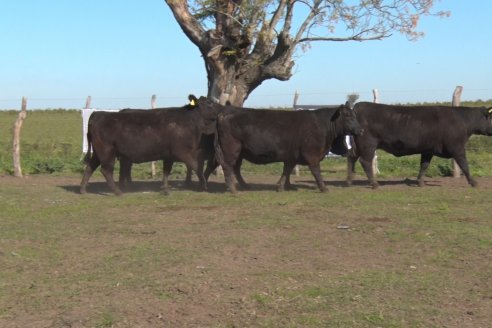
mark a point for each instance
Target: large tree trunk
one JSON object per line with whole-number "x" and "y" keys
{"x": 244, "y": 43}
{"x": 235, "y": 66}
{"x": 234, "y": 73}
{"x": 225, "y": 86}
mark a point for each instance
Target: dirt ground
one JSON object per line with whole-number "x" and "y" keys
{"x": 200, "y": 260}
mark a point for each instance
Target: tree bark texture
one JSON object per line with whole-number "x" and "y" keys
{"x": 244, "y": 43}
{"x": 234, "y": 65}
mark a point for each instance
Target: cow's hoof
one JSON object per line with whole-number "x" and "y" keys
{"x": 83, "y": 191}
{"x": 232, "y": 188}
{"x": 474, "y": 184}
{"x": 244, "y": 186}
{"x": 290, "y": 187}
{"x": 375, "y": 186}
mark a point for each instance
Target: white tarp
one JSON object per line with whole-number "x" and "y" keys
{"x": 86, "y": 113}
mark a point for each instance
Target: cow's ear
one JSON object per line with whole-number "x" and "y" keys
{"x": 193, "y": 101}
{"x": 335, "y": 115}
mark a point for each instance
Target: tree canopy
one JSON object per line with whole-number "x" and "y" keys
{"x": 245, "y": 42}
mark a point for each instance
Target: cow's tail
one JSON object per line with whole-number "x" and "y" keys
{"x": 87, "y": 156}
{"x": 219, "y": 154}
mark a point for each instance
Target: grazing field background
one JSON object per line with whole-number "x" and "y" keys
{"x": 399, "y": 256}
{"x": 51, "y": 142}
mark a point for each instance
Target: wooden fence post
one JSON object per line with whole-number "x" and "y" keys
{"x": 455, "y": 103}
{"x": 294, "y": 104}
{"x": 16, "y": 138}
{"x": 153, "y": 101}
{"x": 152, "y": 164}
{"x": 375, "y": 94}
{"x": 88, "y": 102}
{"x": 296, "y": 97}
{"x": 375, "y": 169}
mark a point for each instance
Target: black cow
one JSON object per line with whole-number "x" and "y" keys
{"x": 141, "y": 136}
{"x": 426, "y": 130}
{"x": 125, "y": 174}
{"x": 291, "y": 137}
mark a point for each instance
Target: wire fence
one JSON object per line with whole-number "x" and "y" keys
{"x": 47, "y": 142}
{"x": 256, "y": 99}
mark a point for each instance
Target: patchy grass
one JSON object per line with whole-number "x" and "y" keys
{"x": 51, "y": 142}
{"x": 400, "y": 256}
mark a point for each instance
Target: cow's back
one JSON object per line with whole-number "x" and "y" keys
{"x": 405, "y": 130}
{"x": 143, "y": 136}
{"x": 271, "y": 126}
{"x": 266, "y": 136}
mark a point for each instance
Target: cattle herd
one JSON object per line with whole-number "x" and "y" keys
{"x": 204, "y": 131}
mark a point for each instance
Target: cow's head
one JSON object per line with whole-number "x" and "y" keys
{"x": 485, "y": 122}
{"x": 208, "y": 111}
{"x": 348, "y": 120}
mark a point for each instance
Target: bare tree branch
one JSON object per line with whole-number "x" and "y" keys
{"x": 245, "y": 42}
{"x": 349, "y": 38}
{"x": 190, "y": 26}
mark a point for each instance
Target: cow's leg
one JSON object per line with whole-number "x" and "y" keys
{"x": 189, "y": 173}
{"x": 167, "y": 166}
{"x": 201, "y": 177}
{"x": 288, "y": 184}
{"x": 89, "y": 169}
{"x": 284, "y": 182}
{"x": 463, "y": 164}
{"x": 351, "y": 159}
{"x": 212, "y": 164}
{"x": 228, "y": 161}
{"x": 125, "y": 177}
{"x": 229, "y": 178}
{"x": 366, "y": 162}
{"x": 237, "y": 174}
{"x": 107, "y": 169}
{"x": 425, "y": 160}
{"x": 228, "y": 167}
{"x": 316, "y": 171}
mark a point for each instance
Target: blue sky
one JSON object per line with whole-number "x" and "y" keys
{"x": 121, "y": 52}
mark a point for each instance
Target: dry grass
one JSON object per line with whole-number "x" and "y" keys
{"x": 401, "y": 256}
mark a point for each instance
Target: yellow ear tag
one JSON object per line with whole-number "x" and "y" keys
{"x": 192, "y": 102}
{"x": 490, "y": 111}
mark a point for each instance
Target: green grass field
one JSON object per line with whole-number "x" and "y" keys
{"x": 51, "y": 142}
{"x": 399, "y": 256}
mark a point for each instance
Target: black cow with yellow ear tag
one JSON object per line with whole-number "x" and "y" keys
{"x": 137, "y": 136}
